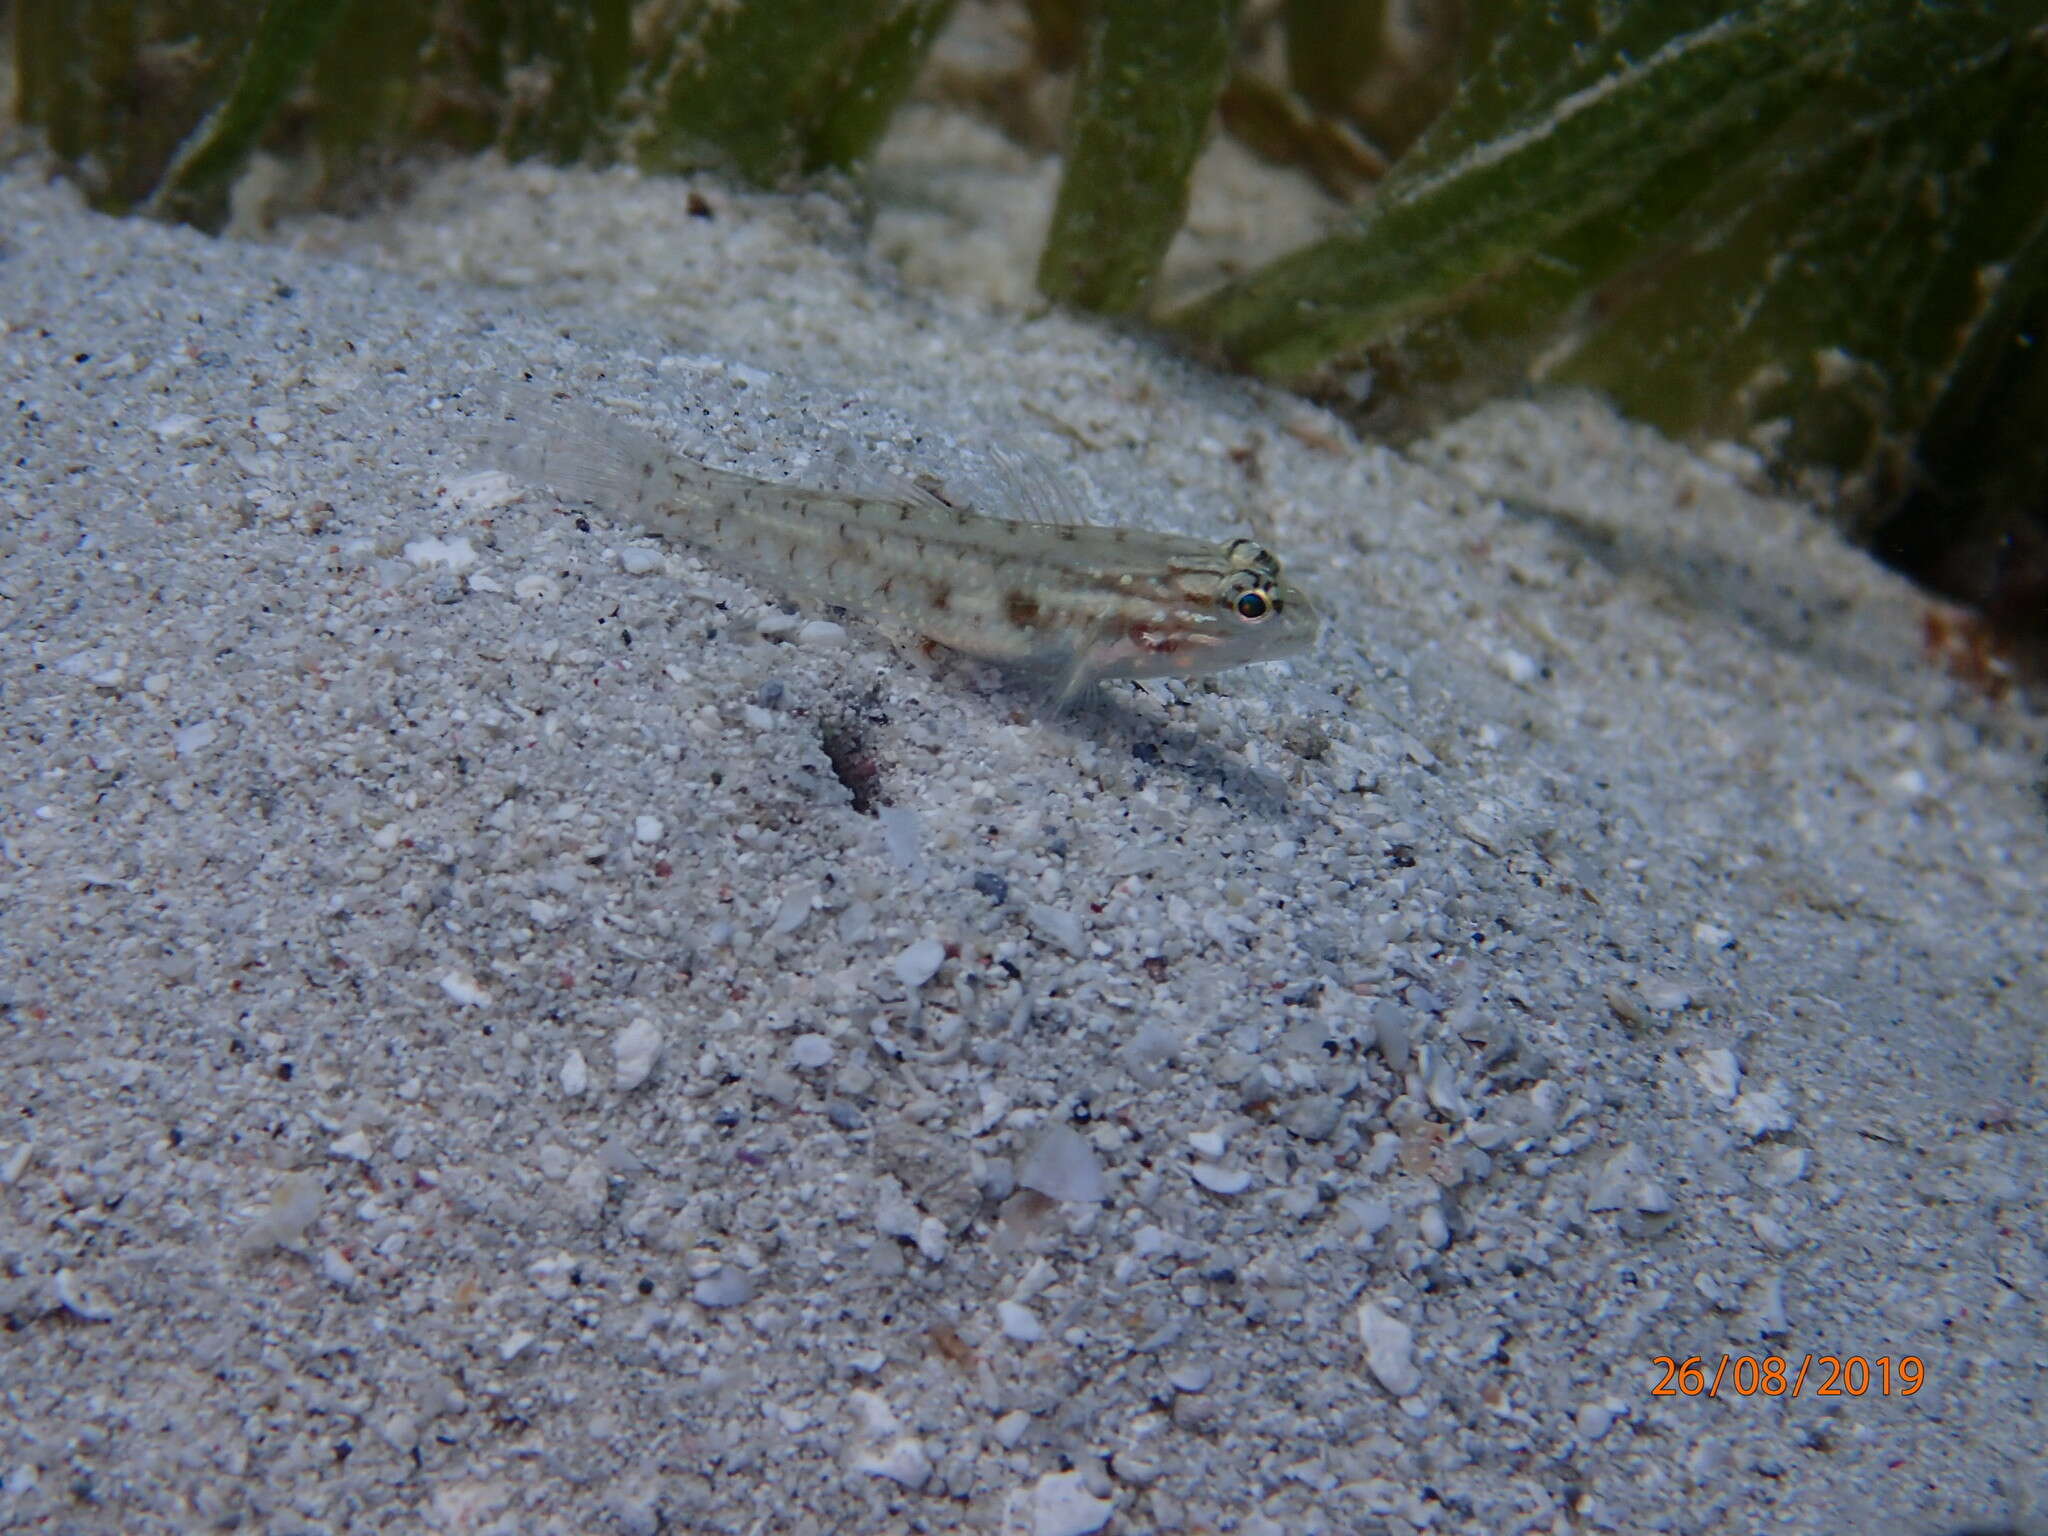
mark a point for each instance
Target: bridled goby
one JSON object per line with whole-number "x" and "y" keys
{"x": 1076, "y": 601}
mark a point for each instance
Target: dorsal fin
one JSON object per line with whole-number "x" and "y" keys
{"x": 852, "y": 472}
{"x": 1035, "y": 491}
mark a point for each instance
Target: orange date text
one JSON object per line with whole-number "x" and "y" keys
{"x": 1789, "y": 1376}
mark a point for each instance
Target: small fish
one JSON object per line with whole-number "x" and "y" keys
{"x": 1073, "y": 600}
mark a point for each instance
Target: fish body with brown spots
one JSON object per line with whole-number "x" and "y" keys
{"x": 1077, "y": 601}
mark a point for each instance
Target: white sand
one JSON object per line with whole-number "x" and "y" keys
{"x": 468, "y": 1069}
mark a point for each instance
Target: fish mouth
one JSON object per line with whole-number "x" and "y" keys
{"x": 1298, "y": 623}
{"x": 1291, "y": 629}
{"x": 1300, "y": 607}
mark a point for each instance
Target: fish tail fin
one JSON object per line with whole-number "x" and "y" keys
{"x": 579, "y": 453}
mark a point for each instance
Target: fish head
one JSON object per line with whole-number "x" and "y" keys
{"x": 1263, "y": 615}
{"x": 1216, "y": 607}
{"x": 1257, "y": 613}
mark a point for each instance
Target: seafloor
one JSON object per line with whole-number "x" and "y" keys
{"x": 507, "y": 1029}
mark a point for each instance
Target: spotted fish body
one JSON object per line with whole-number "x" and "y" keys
{"x": 1079, "y": 601}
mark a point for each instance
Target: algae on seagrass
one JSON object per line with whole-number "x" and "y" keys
{"x": 778, "y": 88}
{"x": 1149, "y": 77}
{"x": 1804, "y": 224}
{"x": 159, "y": 103}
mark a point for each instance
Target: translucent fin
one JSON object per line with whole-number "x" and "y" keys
{"x": 1076, "y": 678}
{"x": 853, "y": 473}
{"x": 1035, "y": 491}
{"x": 580, "y": 453}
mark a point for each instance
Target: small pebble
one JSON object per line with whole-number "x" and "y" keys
{"x": 336, "y": 1270}
{"x": 1761, "y": 1113}
{"x": 400, "y": 1430}
{"x": 1222, "y": 1181}
{"x": 638, "y": 1511}
{"x": 794, "y": 912}
{"x": 1773, "y": 1233}
{"x": 1147, "y": 1052}
{"x": 634, "y": 1050}
{"x": 461, "y": 987}
{"x": 1061, "y": 1505}
{"x": 1435, "y": 1231}
{"x": 1392, "y": 1034}
{"x": 1718, "y": 1071}
{"x": 1138, "y": 1471}
{"x": 1516, "y": 667}
{"x": 1652, "y": 1198}
{"x": 724, "y": 1287}
{"x": 1315, "y": 1117}
{"x": 1706, "y": 1460}
{"x": 294, "y": 1206}
{"x": 844, "y": 1116}
{"x": 1483, "y": 827}
{"x": 355, "y": 1146}
{"x": 1366, "y": 1218}
{"x": 878, "y": 1420}
{"x": 895, "y": 1215}
{"x": 1062, "y": 1165}
{"x": 71, "y": 1294}
{"x": 810, "y": 1051}
{"x": 1019, "y": 1322}
{"x": 635, "y": 560}
{"x": 902, "y": 838}
{"x": 992, "y": 885}
{"x": 584, "y": 1190}
{"x": 1063, "y": 928}
{"x": 1389, "y": 1349}
{"x": 193, "y": 737}
{"x": 1767, "y": 1305}
{"x": 514, "y": 1345}
{"x": 1782, "y": 1166}
{"x": 448, "y": 554}
{"x": 1661, "y": 996}
{"x": 537, "y": 588}
{"x": 919, "y": 963}
{"x": 647, "y": 829}
{"x": 1300, "y": 1201}
{"x": 1614, "y": 1179}
{"x": 997, "y": 1179}
{"x": 1593, "y": 1420}
{"x": 902, "y": 1461}
{"x": 575, "y": 1073}
{"x": 177, "y": 429}
{"x": 822, "y": 634}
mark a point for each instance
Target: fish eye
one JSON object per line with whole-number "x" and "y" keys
{"x": 1250, "y": 599}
